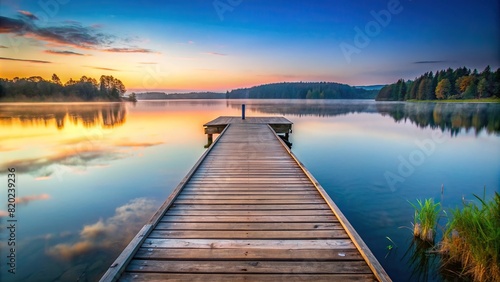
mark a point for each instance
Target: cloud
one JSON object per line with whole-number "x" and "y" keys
{"x": 68, "y": 33}
{"x": 24, "y": 60}
{"x": 9, "y": 25}
{"x": 104, "y": 234}
{"x": 430, "y": 62}
{"x": 129, "y": 50}
{"x": 57, "y": 52}
{"x": 102, "y": 68}
{"x": 190, "y": 42}
{"x": 3, "y": 46}
{"x": 31, "y": 198}
{"x": 27, "y": 14}
{"x": 3, "y": 213}
{"x": 214, "y": 53}
{"x": 148, "y": 63}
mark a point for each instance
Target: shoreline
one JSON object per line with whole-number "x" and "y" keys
{"x": 124, "y": 100}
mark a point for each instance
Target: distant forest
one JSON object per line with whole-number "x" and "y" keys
{"x": 191, "y": 95}
{"x": 36, "y": 88}
{"x": 461, "y": 83}
{"x": 302, "y": 90}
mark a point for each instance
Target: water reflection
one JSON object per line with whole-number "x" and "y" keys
{"x": 89, "y": 114}
{"x": 451, "y": 117}
{"x": 447, "y": 116}
{"x": 423, "y": 260}
{"x": 83, "y": 137}
{"x": 81, "y": 255}
{"x": 301, "y": 108}
{"x": 105, "y": 234}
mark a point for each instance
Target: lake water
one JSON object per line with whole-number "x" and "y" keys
{"x": 88, "y": 176}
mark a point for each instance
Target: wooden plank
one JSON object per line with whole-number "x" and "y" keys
{"x": 178, "y": 206}
{"x": 246, "y": 185}
{"x": 248, "y": 212}
{"x": 249, "y": 244}
{"x": 190, "y": 277}
{"x": 246, "y": 254}
{"x": 248, "y": 226}
{"x": 253, "y": 202}
{"x": 284, "y": 235}
{"x": 249, "y": 197}
{"x": 197, "y": 192}
{"x": 248, "y": 218}
{"x": 265, "y": 267}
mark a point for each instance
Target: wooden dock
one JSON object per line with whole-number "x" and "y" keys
{"x": 247, "y": 211}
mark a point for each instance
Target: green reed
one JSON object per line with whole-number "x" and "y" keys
{"x": 426, "y": 218}
{"x": 472, "y": 239}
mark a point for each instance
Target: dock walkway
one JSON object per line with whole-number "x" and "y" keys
{"x": 247, "y": 211}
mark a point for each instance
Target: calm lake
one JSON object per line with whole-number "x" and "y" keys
{"x": 88, "y": 176}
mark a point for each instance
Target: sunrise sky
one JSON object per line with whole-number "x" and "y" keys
{"x": 219, "y": 45}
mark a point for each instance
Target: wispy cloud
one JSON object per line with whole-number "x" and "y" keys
{"x": 68, "y": 33}
{"x": 101, "y": 68}
{"x": 25, "y": 60}
{"x": 27, "y": 14}
{"x": 31, "y": 198}
{"x": 214, "y": 53}
{"x": 429, "y": 62}
{"x": 129, "y": 50}
{"x": 57, "y": 52}
{"x": 148, "y": 63}
{"x": 3, "y": 46}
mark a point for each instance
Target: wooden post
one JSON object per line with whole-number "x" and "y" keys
{"x": 210, "y": 140}
{"x": 242, "y": 111}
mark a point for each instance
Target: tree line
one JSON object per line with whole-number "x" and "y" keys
{"x": 461, "y": 83}
{"x": 35, "y": 88}
{"x": 302, "y": 90}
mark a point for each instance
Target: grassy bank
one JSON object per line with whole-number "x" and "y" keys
{"x": 471, "y": 237}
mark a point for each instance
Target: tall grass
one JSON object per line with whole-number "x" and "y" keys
{"x": 472, "y": 239}
{"x": 425, "y": 220}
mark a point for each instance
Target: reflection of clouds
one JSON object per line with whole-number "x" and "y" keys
{"x": 104, "y": 234}
{"x": 31, "y": 198}
{"x": 46, "y": 166}
{"x": 76, "y": 157}
{"x": 126, "y": 143}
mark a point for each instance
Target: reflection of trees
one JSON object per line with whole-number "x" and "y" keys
{"x": 178, "y": 103}
{"x": 448, "y": 116}
{"x": 306, "y": 107}
{"x": 90, "y": 115}
{"x": 445, "y": 116}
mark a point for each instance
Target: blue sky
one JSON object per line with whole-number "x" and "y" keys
{"x": 224, "y": 44}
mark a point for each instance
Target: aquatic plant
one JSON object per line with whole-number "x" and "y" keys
{"x": 472, "y": 239}
{"x": 425, "y": 219}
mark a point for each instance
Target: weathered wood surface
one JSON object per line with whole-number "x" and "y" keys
{"x": 225, "y": 120}
{"x": 249, "y": 211}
